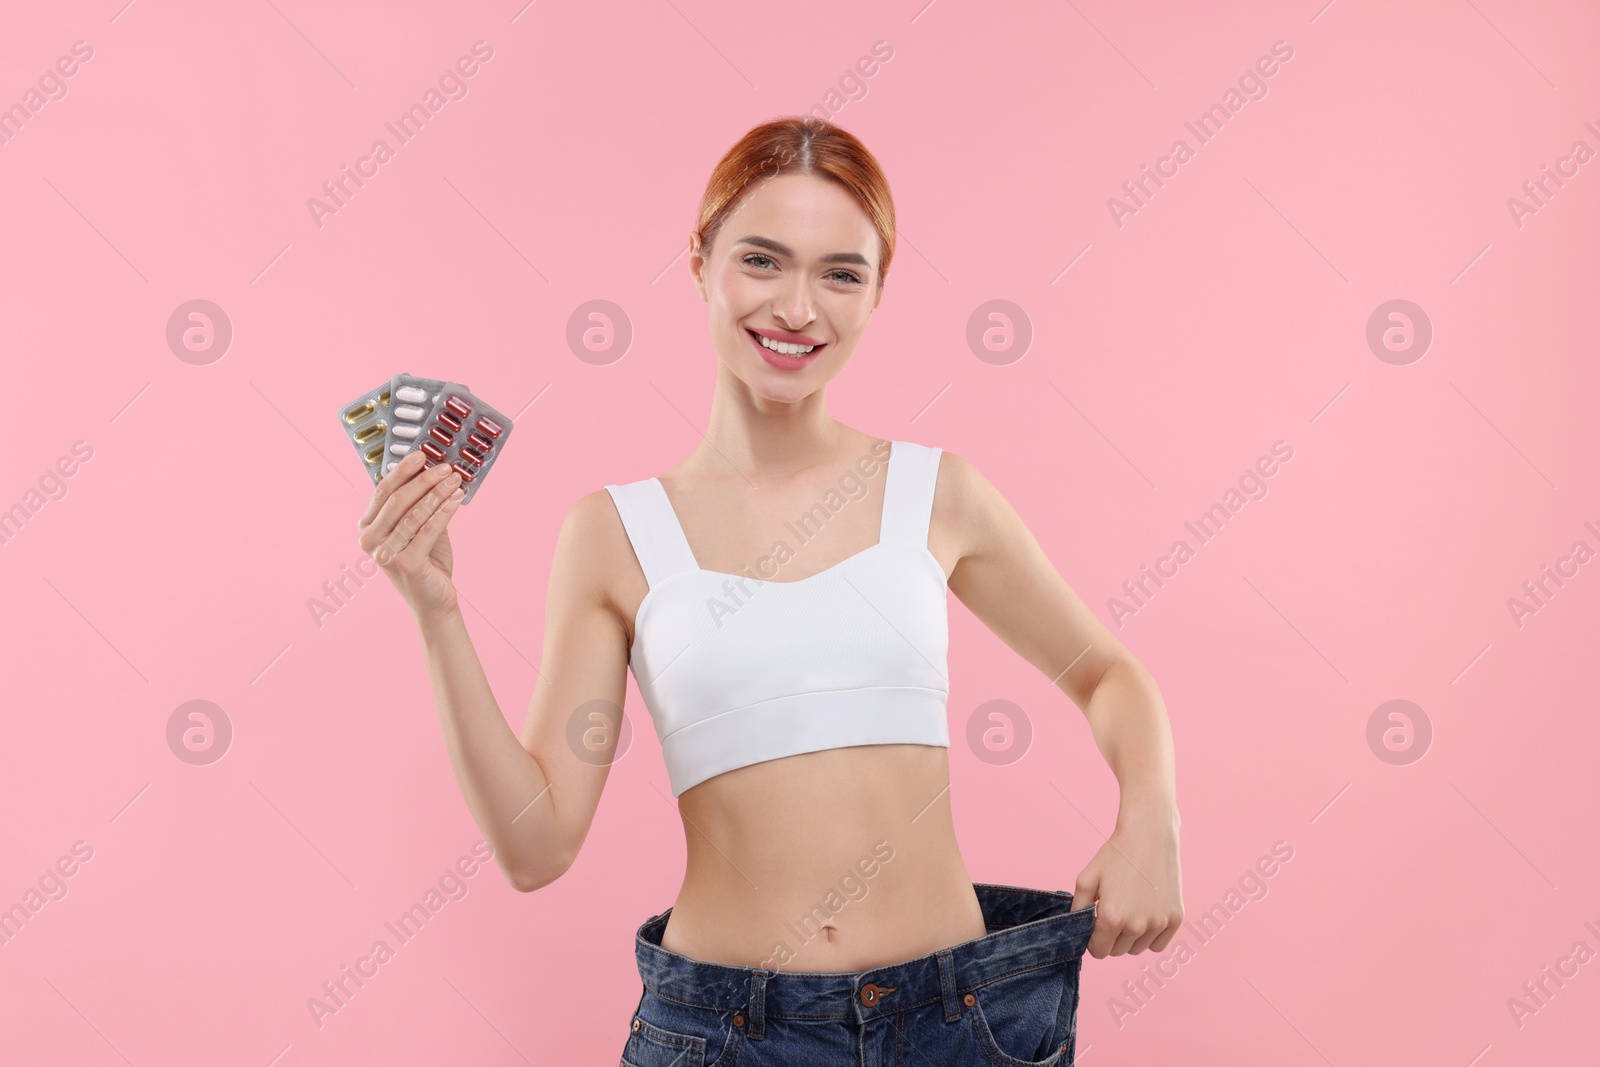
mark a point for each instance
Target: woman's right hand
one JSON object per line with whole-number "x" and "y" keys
{"x": 403, "y": 530}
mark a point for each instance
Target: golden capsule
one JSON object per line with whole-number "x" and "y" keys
{"x": 359, "y": 412}
{"x": 374, "y": 455}
{"x": 375, "y": 430}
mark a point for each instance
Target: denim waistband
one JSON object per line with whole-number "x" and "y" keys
{"x": 1028, "y": 929}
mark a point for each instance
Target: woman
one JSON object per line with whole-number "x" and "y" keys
{"x": 792, "y": 652}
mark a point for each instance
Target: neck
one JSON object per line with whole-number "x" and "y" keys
{"x": 760, "y": 438}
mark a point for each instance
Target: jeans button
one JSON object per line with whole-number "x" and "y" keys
{"x": 738, "y": 1020}
{"x": 636, "y": 1026}
{"x": 872, "y": 992}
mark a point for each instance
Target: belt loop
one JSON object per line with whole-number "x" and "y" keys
{"x": 947, "y": 985}
{"x": 758, "y": 996}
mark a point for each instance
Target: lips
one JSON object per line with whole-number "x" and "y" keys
{"x": 778, "y": 359}
{"x": 801, "y": 339}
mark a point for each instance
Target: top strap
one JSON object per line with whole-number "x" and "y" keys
{"x": 908, "y": 493}
{"x": 653, "y": 529}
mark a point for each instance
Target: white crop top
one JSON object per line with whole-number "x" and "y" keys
{"x": 736, "y": 670}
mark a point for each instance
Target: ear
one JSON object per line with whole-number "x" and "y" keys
{"x": 697, "y": 266}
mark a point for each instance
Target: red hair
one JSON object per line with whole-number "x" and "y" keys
{"x": 799, "y": 145}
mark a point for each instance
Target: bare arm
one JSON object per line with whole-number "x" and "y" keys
{"x": 1009, "y": 583}
{"x": 505, "y": 788}
{"x": 533, "y": 799}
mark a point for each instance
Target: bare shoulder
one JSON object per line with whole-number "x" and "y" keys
{"x": 592, "y": 551}
{"x": 986, "y": 536}
{"x": 1007, "y": 579}
{"x": 958, "y": 502}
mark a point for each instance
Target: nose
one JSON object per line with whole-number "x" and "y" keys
{"x": 794, "y": 307}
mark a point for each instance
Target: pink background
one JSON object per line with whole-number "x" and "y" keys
{"x": 1168, "y": 354}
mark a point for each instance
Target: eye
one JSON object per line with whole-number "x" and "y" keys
{"x": 841, "y": 276}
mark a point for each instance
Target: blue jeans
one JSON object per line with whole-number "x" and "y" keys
{"x": 1006, "y": 999}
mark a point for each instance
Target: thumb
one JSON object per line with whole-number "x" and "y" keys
{"x": 1087, "y": 889}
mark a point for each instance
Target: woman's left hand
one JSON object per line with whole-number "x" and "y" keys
{"x": 1135, "y": 881}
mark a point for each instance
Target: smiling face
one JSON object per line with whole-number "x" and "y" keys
{"x": 795, "y": 262}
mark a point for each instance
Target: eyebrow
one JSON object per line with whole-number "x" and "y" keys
{"x": 784, "y": 250}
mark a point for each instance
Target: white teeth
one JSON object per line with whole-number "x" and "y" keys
{"x": 783, "y": 348}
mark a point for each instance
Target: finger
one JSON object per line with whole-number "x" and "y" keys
{"x": 376, "y": 523}
{"x": 422, "y": 543}
{"x": 1165, "y": 937}
{"x": 408, "y": 491}
{"x": 1084, "y": 895}
{"x": 1125, "y": 939}
{"x": 387, "y": 485}
{"x": 1144, "y": 939}
{"x": 405, "y": 497}
{"x": 415, "y": 518}
{"x": 1104, "y": 937}
{"x": 1087, "y": 889}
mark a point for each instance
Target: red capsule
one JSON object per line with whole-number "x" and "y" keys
{"x": 432, "y": 451}
{"x": 481, "y": 441}
{"x": 459, "y": 406}
{"x": 442, "y": 437}
{"x": 466, "y": 475}
{"x": 450, "y": 421}
{"x": 472, "y": 455}
{"x": 489, "y": 426}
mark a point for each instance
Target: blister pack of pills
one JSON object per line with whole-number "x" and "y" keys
{"x": 441, "y": 419}
{"x": 415, "y": 401}
{"x": 466, "y": 433}
{"x": 366, "y": 422}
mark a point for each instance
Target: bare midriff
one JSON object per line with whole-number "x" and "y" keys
{"x": 840, "y": 860}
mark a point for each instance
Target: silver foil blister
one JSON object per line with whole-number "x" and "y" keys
{"x": 414, "y": 402}
{"x": 366, "y": 422}
{"x": 466, "y": 433}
